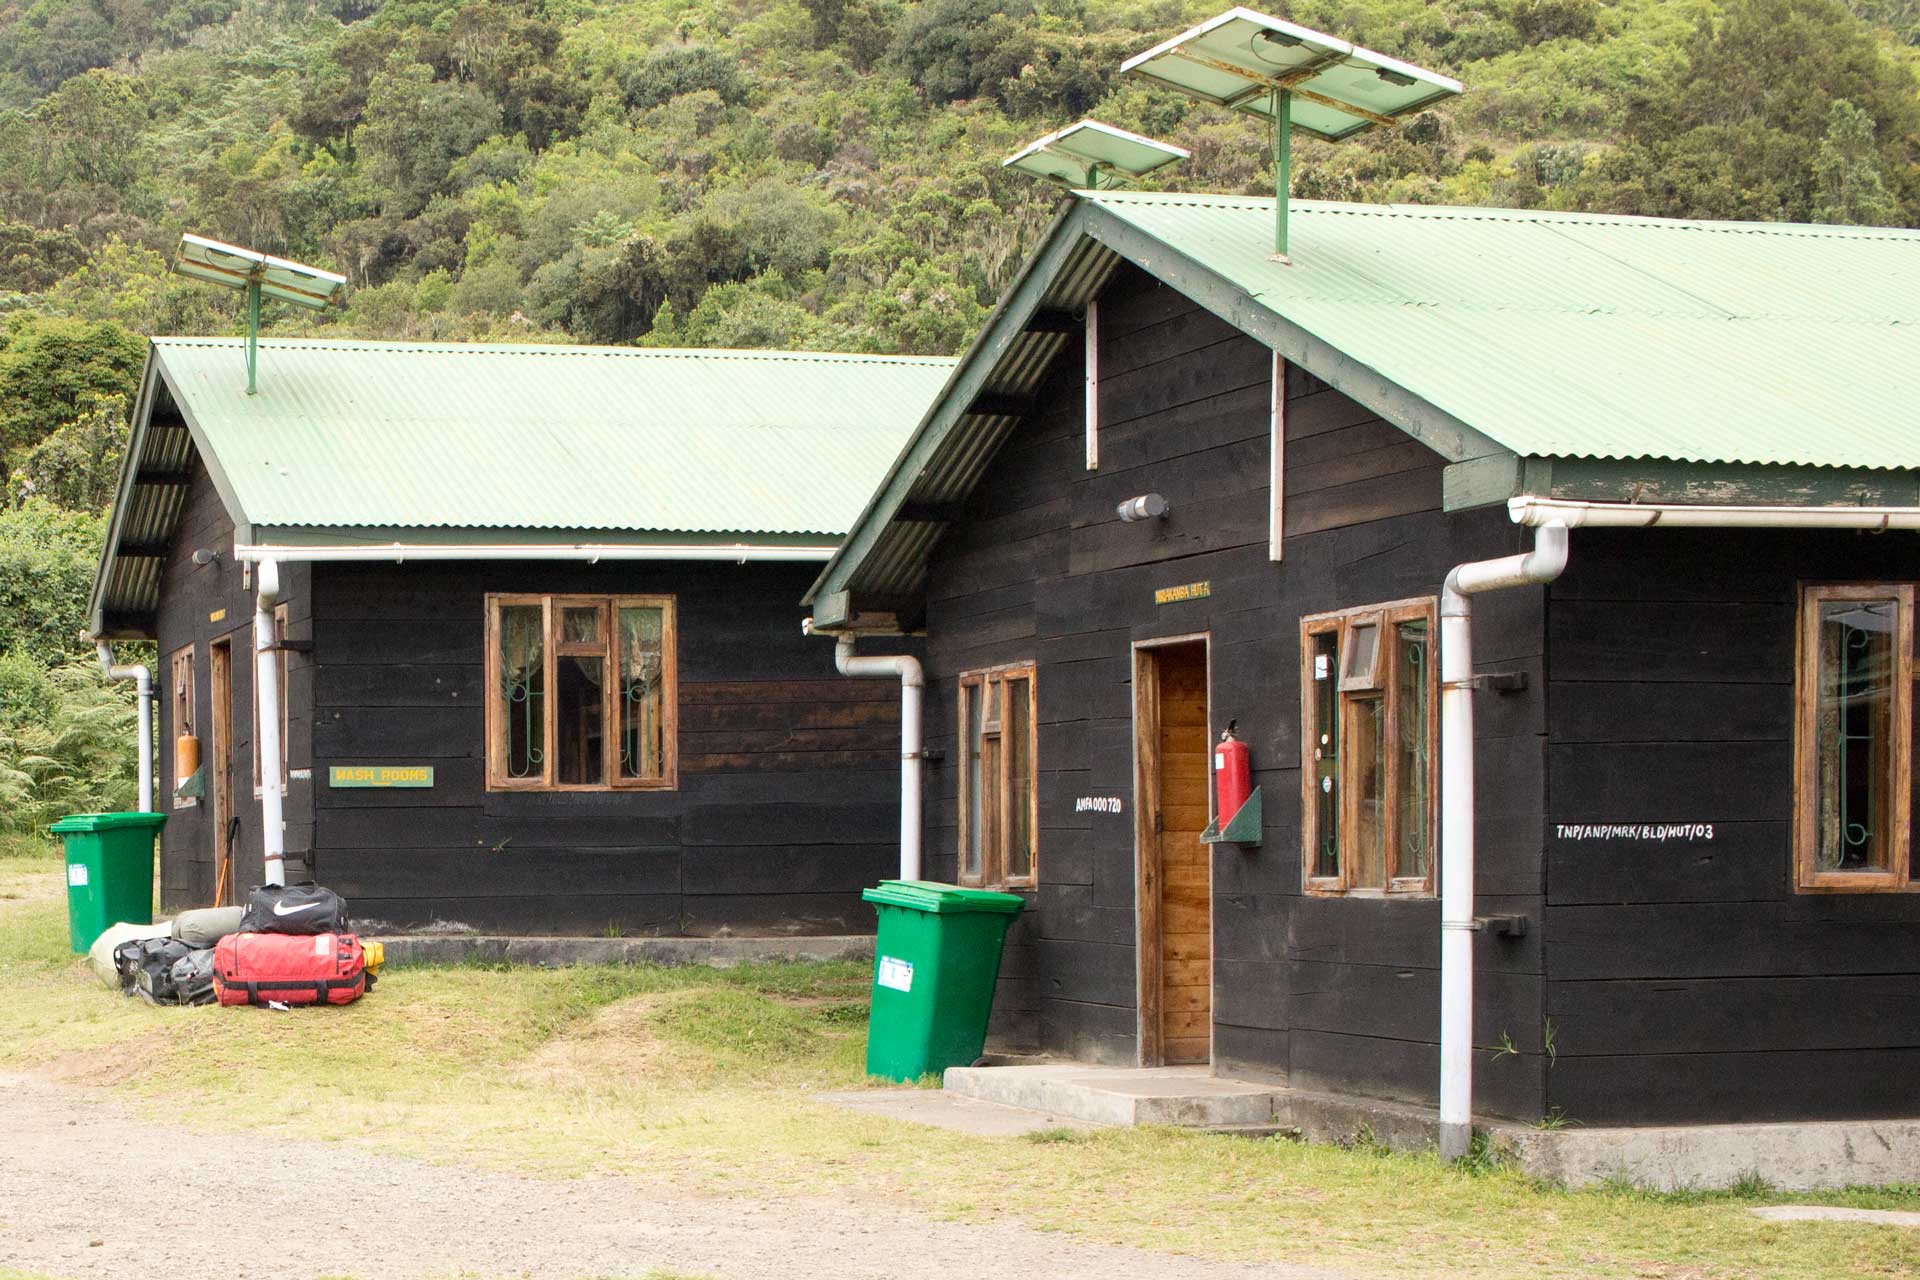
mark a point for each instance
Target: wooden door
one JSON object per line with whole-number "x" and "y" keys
{"x": 1175, "y": 890}
{"x": 219, "y": 767}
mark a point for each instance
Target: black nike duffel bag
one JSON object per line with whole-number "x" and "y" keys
{"x": 304, "y": 908}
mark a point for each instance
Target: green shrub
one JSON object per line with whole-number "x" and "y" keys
{"x": 81, "y": 759}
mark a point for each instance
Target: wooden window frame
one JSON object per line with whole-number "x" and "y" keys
{"x": 280, "y": 688}
{"x": 182, "y": 689}
{"x": 553, "y": 648}
{"x": 1897, "y": 877}
{"x": 993, "y": 849}
{"x": 1378, "y": 683}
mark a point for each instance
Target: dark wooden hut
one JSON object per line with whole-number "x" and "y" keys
{"x": 1693, "y": 895}
{"x": 535, "y": 630}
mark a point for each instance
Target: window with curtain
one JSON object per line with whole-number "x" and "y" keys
{"x": 1853, "y": 738}
{"x": 581, "y": 693}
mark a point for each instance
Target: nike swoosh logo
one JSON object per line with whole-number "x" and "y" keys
{"x": 282, "y": 909}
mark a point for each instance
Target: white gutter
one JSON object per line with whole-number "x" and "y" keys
{"x": 399, "y": 552}
{"x": 1542, "y": 564}
{"x": 1550, "y": 518}
{"x": 266, "y": 714}
{"x": 1538, "y": 512}
{"x": 912, "y": 686}
{"x": 143, "y": 695}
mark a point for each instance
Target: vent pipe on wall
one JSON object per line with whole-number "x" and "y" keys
{"x": 266, "y": 717}
{"x": 1541, "y": 565}
{"x": 912, "y": 688}
{"x": 143, "y": 694}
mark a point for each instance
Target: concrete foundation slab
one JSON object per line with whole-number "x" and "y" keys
{"x": 953, "y": 1111}
{"x": 1796, "y": 1157}
{"x": 1811, "y": 1156}
{"x": 1186, "y": 1096}
{"x": 559, "y": 953}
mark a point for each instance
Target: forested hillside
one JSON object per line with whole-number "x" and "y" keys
{"x": 819, "y": 173}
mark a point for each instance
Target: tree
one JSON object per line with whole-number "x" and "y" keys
{"x": 415, "y": 128}
{"x": 54, "y": 371}
{"x": 1848, "y": 186}
{"x": 32, "y": 259}
{"x": 78, "y": 465}
{"x": 47, "y": 556}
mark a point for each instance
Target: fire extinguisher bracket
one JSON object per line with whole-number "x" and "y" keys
{"x": 1243, "y": 828}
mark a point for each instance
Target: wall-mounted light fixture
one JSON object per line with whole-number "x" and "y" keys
{"x": 203, "y": 557}
{"x": 1148, "y": 506}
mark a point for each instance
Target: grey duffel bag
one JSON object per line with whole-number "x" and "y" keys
{"x": 205, "y": 927}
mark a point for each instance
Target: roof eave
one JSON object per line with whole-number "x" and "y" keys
{"x": 1418, "y": 417}
{"x": 123, "y": 490}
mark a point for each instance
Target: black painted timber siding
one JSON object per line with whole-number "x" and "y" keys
{"x": 190, "y": 598}
{"x": 788, "y": 803}
{"x": 1327, "y": 994}
{"x": 1688, "y": 981}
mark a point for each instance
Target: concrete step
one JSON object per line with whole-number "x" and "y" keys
{"x": 1183, "y": 1096}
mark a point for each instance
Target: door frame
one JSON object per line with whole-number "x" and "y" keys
{"x": 1146, "y": 839}
{"x": 220, "y": 759}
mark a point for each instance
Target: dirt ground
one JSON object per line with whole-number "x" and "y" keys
{"x": 88, "y": 1189}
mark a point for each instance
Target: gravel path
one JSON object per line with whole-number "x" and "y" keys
{"x": 88, "y": 1189}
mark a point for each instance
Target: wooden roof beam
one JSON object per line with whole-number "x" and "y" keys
{"x": 997, "y": 406}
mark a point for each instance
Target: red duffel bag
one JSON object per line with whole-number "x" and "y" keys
{"x": 280, "y": 968}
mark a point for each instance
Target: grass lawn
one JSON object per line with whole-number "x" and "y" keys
{"x": 702, "y": 1078}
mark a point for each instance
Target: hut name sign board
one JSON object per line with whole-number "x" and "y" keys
{"x": 380, "y": 775}
{"x": 1185, "y": 591}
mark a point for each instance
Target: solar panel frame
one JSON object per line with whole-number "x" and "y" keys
{"x": 1090, "y": 153}
{"x": 1339, "y": 89}
{"x": 233, "y": 267}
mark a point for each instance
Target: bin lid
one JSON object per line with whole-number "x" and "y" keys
{"x": 942, "y": 899}
{"x": 107, "y": 822}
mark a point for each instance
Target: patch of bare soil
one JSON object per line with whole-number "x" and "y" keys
{"x": 88, "y": 1189}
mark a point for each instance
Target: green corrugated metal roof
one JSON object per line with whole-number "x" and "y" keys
{"x": 347, "y": 434}
{"x": 1582, "y": 335}
{"x": 1493, "y": 335}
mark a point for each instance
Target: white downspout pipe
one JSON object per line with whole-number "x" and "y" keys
{"x": 266, "y": 712}
{"x": 1540, "y": 565}
{"x": 913, "y": 683}
{"x": 143, "y": 695}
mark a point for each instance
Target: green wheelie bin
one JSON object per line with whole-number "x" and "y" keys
{"x": 109, "y": 870}
{"x": 935, "y": 961}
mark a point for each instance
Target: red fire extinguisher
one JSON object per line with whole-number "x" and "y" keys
{"x": 1232, "y": 775}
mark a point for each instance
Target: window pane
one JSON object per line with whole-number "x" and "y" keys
{"x": 1410, "y": 687}
{"x": 1368, "y": 754}
{"x": 580, "y": 706}
{"x": 523, "y": 690}
{"x": 970, "y": 855}
{"x": 579, "y": 626}
{"x": 1853, "y": 728}
{"x": 1326, "y": 752}
{"x": 1363, "y": 640}
{"x": 642, "y": 655}
{"x": 1019, "y": 746}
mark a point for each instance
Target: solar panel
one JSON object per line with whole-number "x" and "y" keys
{"x": 237, "y": 268}
{"x": 1093, "y": 155}
{"x": 1241, "y": 58}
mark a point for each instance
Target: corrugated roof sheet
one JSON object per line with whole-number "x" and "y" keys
{"x": 542, "y": 437}
{"x": 1582, "y": 335}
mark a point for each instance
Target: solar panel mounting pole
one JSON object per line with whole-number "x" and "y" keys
{"x": 1282, "y": 112}
{"x": 253, "y": 330}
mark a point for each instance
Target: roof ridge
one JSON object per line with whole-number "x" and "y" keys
{"x": 582, "y": 350}
{"x": 1495, "y": 213}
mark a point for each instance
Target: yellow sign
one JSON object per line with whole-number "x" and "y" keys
{"x": 1191, "y": 591}
{"x": 380, "y": 775}
{"x": 217, "y": 615}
